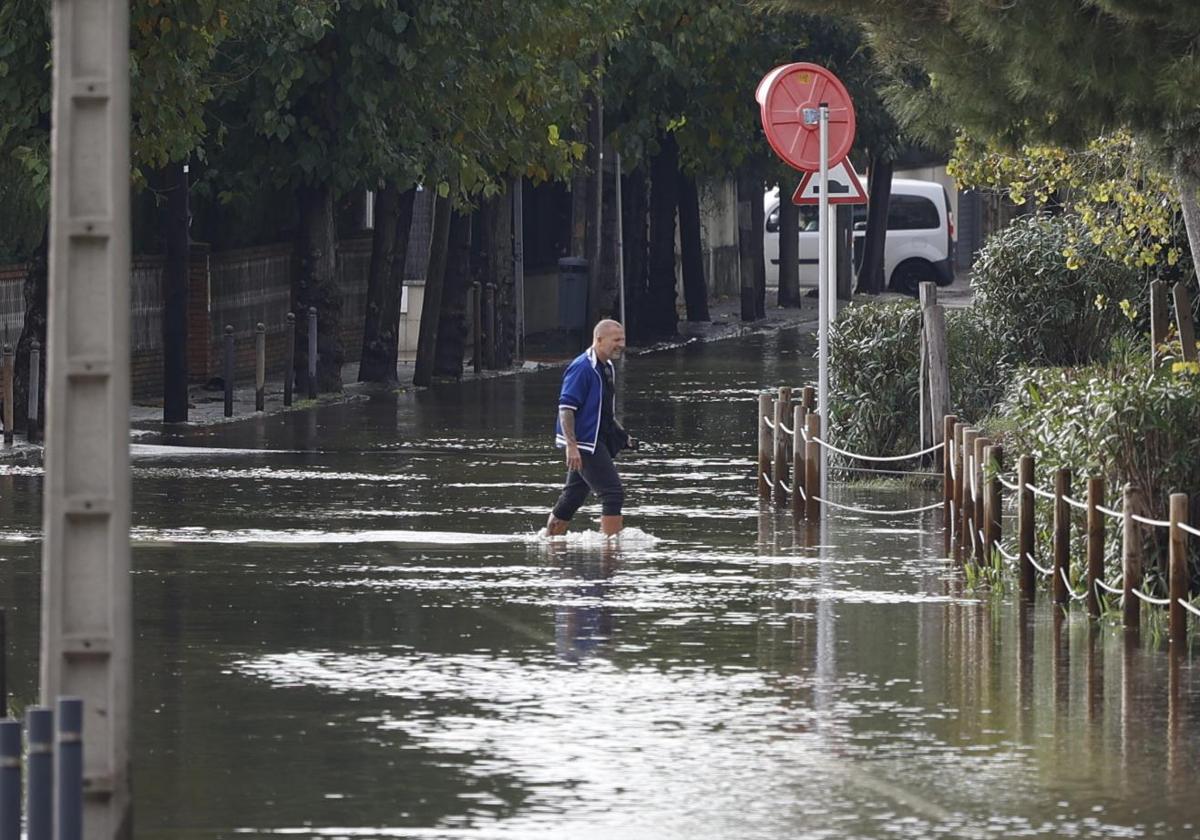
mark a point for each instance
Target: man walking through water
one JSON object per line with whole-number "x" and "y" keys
{"x": 588, "y": 430}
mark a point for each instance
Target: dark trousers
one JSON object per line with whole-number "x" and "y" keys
{"x": 597, "y": 474}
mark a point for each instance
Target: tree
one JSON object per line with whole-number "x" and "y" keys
{"x": 1061, "y": 72}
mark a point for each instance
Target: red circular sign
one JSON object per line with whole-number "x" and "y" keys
{"x": 785, "y": 94}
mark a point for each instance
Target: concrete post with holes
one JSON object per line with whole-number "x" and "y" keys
{"x": 86, "y": 612}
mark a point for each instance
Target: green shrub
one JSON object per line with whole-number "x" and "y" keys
{"x": 1124, "y": 422}
{"x": 875, "y": 374}
{"x": 1044, "y": 312}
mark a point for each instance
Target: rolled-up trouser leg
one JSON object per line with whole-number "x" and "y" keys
{"x": 597, "y": 474}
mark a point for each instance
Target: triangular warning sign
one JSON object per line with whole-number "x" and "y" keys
{"x": 845, "y": 187}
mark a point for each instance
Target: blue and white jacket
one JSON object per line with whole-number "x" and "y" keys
{"x": 582, "y": 389}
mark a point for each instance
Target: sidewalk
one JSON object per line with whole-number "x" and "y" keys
{"x": 207, "y": 407}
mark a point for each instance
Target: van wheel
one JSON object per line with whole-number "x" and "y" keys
{"x": 910, "y": 274}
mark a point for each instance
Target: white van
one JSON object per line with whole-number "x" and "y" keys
{"x": 920, "y": 237}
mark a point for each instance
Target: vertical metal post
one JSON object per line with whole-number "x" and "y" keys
{"x": 764, "y": 445}
{"x": 1025, "y": 530}
{"x": 35, "y": 391}
{"x": 312, "y": 352}
{"x": 39, "y": 792}
{"x": 289, "y": 369}
{"x": 260, "y": 366}
{"x": 8, "y": 397}
{"x": 1062, "y": 533}
{"x": 230, "y": 368}
{"x": 1177, "y": 572}
{"x": 823, "y": 284}
{"x": 10, "y": 780}
{"x": 476, "y": 328}
{"x": 68, "y": 777}
{"x": 1131, "y": 562}
{"x": 489, "y": 326}
{"x": 86, "y": 615}
{"x": 519, "y": 258}
{"x": 1095, "y": 543}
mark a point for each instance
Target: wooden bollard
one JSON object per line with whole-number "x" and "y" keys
{"x": 799, "y": 418}
{"x": 8, "y": 393}
{"x": 979, "y": 522}
{"x": 1025, "y": 529}
{"x": 32, "y": 427}
{"x": 808, "y": 398}
{"x": 1131, "y": 561}
{"x": 1062, "y": 533}
{"x": 783, "y": 411}
{"x": 812, "y": 467}
{"x": 764, "y": 445}
{"x": 312, "y": 352}
{"x": 1177, "y": 582}
{"x": 1095, "y": 543}
{"x": 948, "y": 426}
{"x": 1159, "y": 318}
{"x": 955, "y": 526}
{"x": 476, "y": 327}
{"x": 966, "y": 528}
{"x": 260, "y": 367}
{"x": 993, "y": 501}
{"x": 229, "y": 368}
{"x": 289, "y": 370}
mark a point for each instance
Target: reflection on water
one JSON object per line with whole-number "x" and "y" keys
{"x": 347, "y": 626}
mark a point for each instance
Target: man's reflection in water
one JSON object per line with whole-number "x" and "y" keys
{"x": 583, "y": 619}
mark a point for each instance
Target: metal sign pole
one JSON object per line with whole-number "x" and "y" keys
{"x": 824, "y": 290}
{"x": 86, "y": 598}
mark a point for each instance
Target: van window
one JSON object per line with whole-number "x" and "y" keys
{"x": 808, "y": 218}
{"x": 912, "y": 212}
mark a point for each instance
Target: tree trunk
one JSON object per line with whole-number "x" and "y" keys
{"x": 870, "y": 273}
{"x": 844, "y": 224}
{"x": 758, "y": 222}
{"x": 452, "y": 322}
{"x": 745, "y": 221}
{"x": 789, "y": 251}
{"x": 695, "y": 290}
{"x": 499, "y": 233}
{"x": 1189, "y": 201}
{"x": 636, "y": 199}
{"x": 316, "y": 284}
{"x": 389, "y": 249}
{"x": 36, "y": 292}
{"x": 595, "y": 216}
{"x": 175, "y": 297}
{"x": 431, "y": 306}
{"x": 664, "y": 199}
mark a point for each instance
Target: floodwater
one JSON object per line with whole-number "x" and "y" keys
{"x": 347, "y": 628}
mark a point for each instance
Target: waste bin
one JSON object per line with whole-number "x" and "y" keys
{"x": 572, "y": 293}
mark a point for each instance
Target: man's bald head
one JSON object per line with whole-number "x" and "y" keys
{"x": 608, "y": 340}
{"x": 606, "y": 326}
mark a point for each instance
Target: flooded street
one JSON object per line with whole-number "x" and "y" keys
{"x": 347, "y": 628}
